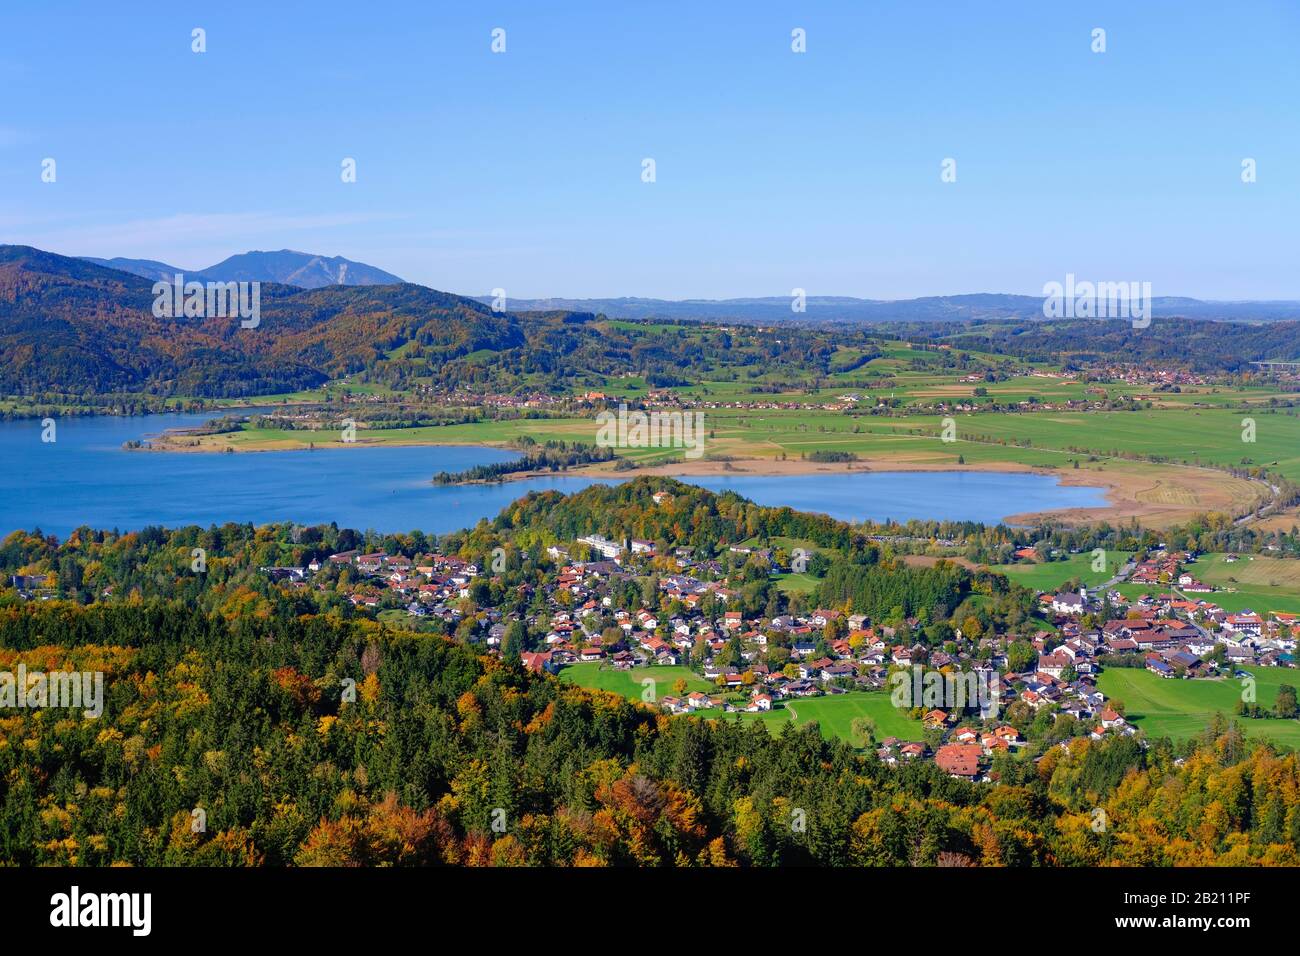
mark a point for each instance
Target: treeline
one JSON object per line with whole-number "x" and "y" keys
{"x": 554, "y": 455}
{"x": 1192, "y": 344}
{"x": 831, "y": 456}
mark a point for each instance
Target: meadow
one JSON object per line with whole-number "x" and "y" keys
{"x": 1184, "y": 708}
{"x": 834, "y": 713}
{"x": 629, "y": 683}
{"x": 1050, "y": 575}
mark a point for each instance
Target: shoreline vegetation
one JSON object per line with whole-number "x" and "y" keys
{"x": 548, "y": 458}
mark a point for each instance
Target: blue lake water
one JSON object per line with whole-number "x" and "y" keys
{"x": 86, "y": 478}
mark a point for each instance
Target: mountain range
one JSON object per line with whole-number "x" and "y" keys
{"x": 308, "y": 271}
{"x": 301, "y": 269}
{"x": 72, "y": 327}
{"x": 953, "y": 308}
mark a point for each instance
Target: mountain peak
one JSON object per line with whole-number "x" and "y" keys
{"x": 288, "y": 266}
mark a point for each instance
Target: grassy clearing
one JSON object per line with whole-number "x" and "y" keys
{"x": 835, "y": 715}
{"x": 597, "y": 676}
{"x": 796, "y": 583}
{"x": 1050, "y": 575}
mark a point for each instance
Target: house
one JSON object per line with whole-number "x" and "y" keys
{"x": 602, "y": 545}
{"x": 1110, "y": 718}
{"x": 537, "y": 662}
{"x": 1054, "y": 664}
{"x": 1188, "y": 662}
{"x": 1239, "y": 655}
{"x": 1067, "y": 602}
{"x": 1247, "y": 622}
{"x": 959, "y": 760}
{"x": 1156, "y": 666}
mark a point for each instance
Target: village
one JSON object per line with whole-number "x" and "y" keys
{"x": 598, "y": 615}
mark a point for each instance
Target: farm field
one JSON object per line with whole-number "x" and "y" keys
{"x": 1258, "y": 583}
{"x": 1184, "y": 708}
{"x": 1261, "y": 583}
{"x": 1204, "y": 435}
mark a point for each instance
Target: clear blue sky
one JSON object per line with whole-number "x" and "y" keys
{"x": 775, "y": 170}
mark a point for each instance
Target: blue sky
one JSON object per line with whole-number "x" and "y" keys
{"x": 774, "y": 170}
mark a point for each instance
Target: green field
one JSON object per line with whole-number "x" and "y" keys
{"x": 1260, "y": 583}
{"x": 1050, "y": 575}
{"x": 834, "y": 713}
{"x": 1184, "y": 708}
{"x": 835, "y": 716}
{"x": 597, "y": 676}
{"x": 800, "y": 583}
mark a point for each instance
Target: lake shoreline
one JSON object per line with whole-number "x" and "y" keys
{"x": 1113, "y": 489}
{"x": 1132, "y": 490}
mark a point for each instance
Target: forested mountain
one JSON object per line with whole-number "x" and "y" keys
{"x": 150, "y": 269}
{"x": 71, "y": 326}
{"x": 302, "y": 269}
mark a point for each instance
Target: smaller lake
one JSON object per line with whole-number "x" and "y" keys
{"x": 86, "y": 478}
{"x": 984, "y": 496}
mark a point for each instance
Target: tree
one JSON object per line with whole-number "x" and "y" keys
{"x": 863, "y": 731}
{"x": 515, "y": 641}
{"x": 1286, "y": 706}
{"x": 1020, "y": 656}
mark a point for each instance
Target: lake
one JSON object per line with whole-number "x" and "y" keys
{"x": 86, "y": 478}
